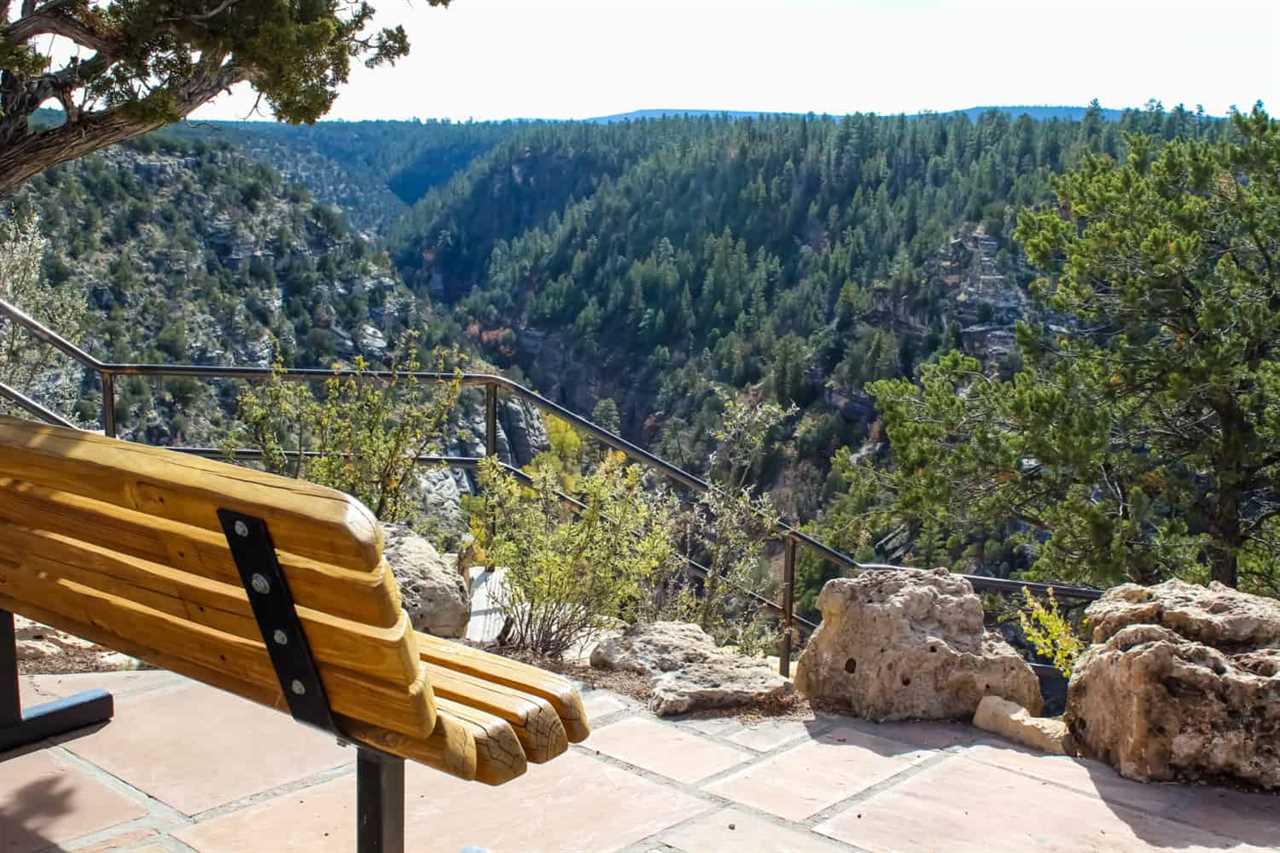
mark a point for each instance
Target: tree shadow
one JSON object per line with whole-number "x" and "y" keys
{"x": 891, "y": 738}
{"x": 25, "y": 810}
{"x": 1163, "y": 815}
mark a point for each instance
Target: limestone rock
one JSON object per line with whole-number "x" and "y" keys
{"x": 689, "y": 672}
{"x": 433, "y": 591}
{"x": 1217, "y": 615}
{"x": 1183, "y": 683}
{"x": 651, "y": 649}
{"x": 1011, "y": 720}
{"x": 910, "y": 644}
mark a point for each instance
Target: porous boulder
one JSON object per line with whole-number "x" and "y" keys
{"x": 910, "y": 644}
{"x": 687, "y": 670}
{"x": 431, "y": 588}
{"x": 1183, "y": 683}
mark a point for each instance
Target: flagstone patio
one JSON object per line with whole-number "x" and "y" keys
{"x": 254, "y": 781}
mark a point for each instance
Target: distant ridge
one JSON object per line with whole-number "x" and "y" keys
{"x": 1039, "y": 113}
{"x": 637, "y": 115}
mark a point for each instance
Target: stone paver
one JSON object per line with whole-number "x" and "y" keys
{"x": 575, "y": 803}
{"x": 194, "y": 747}
{"x": 806, "y": 779}
{"x": 46, "y": 801}
{"x": 980, "y": 808}
{"x": 599, "y": 704}
{"x": 735, "y": 829}
{"x": 768, "y": 735}
{"x": 254, "y": 780}
{"x": 714, "y": 726}
{"x": 135, "y": 841}
{"x": 664, "y": 749}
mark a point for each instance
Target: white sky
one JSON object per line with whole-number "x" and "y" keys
{"x": 488, "y": 59}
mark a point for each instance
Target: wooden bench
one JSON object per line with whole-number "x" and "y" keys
{"x": 270, "y": 588}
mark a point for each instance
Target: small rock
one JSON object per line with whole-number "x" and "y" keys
{"x": 1012, "y": 721}
{"x": 689, "y": 672}
{"x": 432, "y": 591}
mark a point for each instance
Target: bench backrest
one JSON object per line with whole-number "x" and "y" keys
{"x": 122, "y": 544}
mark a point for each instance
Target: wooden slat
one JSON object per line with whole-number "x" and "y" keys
{"x": 408, "y": 710}
{"x": 499, "y": 756}
{"x": 386, "y": 654}
{"x": 361, "y": 596}
{"x": 533, "y": 719}
{"x": 304, "y": 519}
{"x": 555, "y": 689}
{"x": 450, "y": 747}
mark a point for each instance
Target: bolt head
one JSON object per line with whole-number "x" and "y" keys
{"x": 281, "y": 638}
{"x": 260, "y": 584}
{"x": 242, "y": 529}
{"x": 298, "y": 688}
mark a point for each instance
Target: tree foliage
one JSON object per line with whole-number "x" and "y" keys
{"x": 25, "y": 361}
{"x": 1138, "y": 440}
{"x": 140, "y": 64}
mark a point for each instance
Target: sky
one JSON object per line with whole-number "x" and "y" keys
{"x": 496, "y": 59}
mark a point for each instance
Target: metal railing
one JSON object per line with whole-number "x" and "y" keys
{"x": 791, "y": 537}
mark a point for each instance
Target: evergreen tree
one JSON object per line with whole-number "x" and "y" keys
{"x": 1138, "y": 440}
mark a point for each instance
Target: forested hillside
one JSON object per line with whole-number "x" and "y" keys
{"x": 789, "y": 257}
{"x": 372, "y": 169}
{"x": 652, "y": 264}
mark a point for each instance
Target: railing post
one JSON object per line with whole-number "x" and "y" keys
{"x": 108, "y": 403}
{"x": 491, "y": 419}
{"x": 788, "y": 604}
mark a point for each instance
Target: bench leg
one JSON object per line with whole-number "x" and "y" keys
{"x": 18, "y": 727}
{"x": 379, "y": 802}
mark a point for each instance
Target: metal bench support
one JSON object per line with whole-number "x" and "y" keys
{"x": 19, "y": 727}
{"x": 379, "y": 802}
{"x": 379, "y": 777}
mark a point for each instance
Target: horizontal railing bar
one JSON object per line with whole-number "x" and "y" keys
{"x": 34, "y": 408}
{"x": 48, "y": 336}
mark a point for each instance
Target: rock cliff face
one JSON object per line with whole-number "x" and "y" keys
{"x": 1184, "y": 683}
{"x": 910, "y": 644}
{"x": 195, "y": 253}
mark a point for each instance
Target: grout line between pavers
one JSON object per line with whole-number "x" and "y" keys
{"x": 312, "y": 781}
{"x": 159, "y": 825}
{"x": 694, "y": 790}
{"x": 156, "y": 807}
{"x": 911, "y": 770}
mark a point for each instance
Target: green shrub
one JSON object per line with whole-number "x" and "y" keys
{"x": 366, "y": 431}
{"x": 572, "y": 571}
{"x": 1050, "y": 632}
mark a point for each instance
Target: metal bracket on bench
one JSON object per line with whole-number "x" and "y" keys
{"x": 379, "y": 777}
{"x": 272, "y": 604}
{"x": 19, "y": 727}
